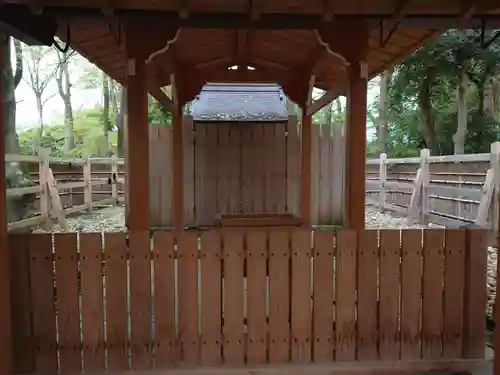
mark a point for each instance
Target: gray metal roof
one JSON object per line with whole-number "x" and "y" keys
{"x": 240, "y": 102}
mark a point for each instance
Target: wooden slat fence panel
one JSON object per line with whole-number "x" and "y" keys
{"x": 164, "y": 299}
{"x": 454, "y": 272}
{"x": 140, "y": 300}
{"x": 68, "y": 314}
{"x": 303, "y": 296}
{"x": 233, "y": 297}
{"x": 432, "y": 294}
{"x": 187, "y": 339}
{"x": 223, "y": 169}
{"x": 211, "y": 298}
{"x": 91, "y": 258}
{"x": 256, "y": 243}
{"x": 292, "y": 166}
{"x": 23, "y": 346}
{"x": 189, "y": 168}
{"x": 323, "y": 318}
{"x": 389, "y": 294}
{"x": 115, "y": 265}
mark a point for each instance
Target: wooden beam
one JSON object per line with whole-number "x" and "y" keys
{"x": 162, "y": 98}
{"x": 242, "y": 47}
{"x": 326, "y": 98}
{"x": 355, "y": 156}
{"x": 5, "y": 316}
{"x": 306, "y": 163}
{"x": 388, "y": 27}
{"x": 177, "y": 159}
{"x": 137, "y": 135}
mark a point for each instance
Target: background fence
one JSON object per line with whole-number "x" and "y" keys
{"x": 246, "y": 168}
{"x": 450, "y": 190}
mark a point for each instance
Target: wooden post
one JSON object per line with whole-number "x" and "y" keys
{"x": 356, "y": 134}
{"x": 114, "y": 178}
{"x": 43, "y": 170}
{"x": 382, "y": 179}
{"x": 424, "y": 196}
{"x": 87, "y": 179}
{"x": 5, "y": 318}
{"x": 495, "y": 166}
{"x": 306, "y": 163}
{"x": 137, "y": 128}
{"x": 177, "y": 160}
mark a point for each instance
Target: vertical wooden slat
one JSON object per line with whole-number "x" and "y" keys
{"x": 222, "y": 169}
{"x": 432, "y": 294}
{"x": 454, "y": 270}
{"x": 68, "y": 315}
{"x": 188, "y": 298}
{"x": 259, "y": 168}
{"x": 411, "y": 294}
{"x": 248, "y": 163}
{"x": 267, "y": 167}
{"x": 292, "y": 166}
{"x": 43, "y": 298}
{"x": 164, "y": 299}
{"x": 92, "y": 301}
{"x": 338, "y": 174}
{"x": 188, "y": 140}
{"x": 325, "y": 179}
{"x": 115, "y": 255}
{"x": 280, "y": 167}
{"x": 154, "y": 177}
{"x": 140, "y": 299}
{"x": 211, "y": 298}
{"x": 23, "y": 348}
{"x": 315, "y": 171}
{"x": 211, "y": 174}
{"x": 345, "y": 296}
{"x": 235, "y": 167}
{"x": 256, "y": 298}
{"x": 167, "y": 213}
{"x": 390, "y": 281}
{"x": 200, "y": 189}
{"x": 324, "y": 334}
{"x": 301, "y": 296}
{"x": 367, "y": 273}
{"x": 279, "y": 296}
{"x": 233, "y": 328}
{"x": 475, "y": 293}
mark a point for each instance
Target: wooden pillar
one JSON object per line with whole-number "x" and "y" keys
{"x": 137, "y": 138}
{"x": 306, "y": 162}
{"x": 177, "y": 159}
{"x": 5, "y": 321}
{"x": 355, "y": 156}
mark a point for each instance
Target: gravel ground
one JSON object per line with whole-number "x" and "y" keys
{"x": 112, "y": 219}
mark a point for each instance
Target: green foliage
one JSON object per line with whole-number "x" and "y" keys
{"x": 88, "y": 136}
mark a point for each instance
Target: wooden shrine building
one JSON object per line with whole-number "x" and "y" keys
{"x": 259, "y": 299}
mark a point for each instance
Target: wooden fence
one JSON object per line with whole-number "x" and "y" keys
{"x": 58, "y": 180}
{"x": 125, "y": 300}
{"x": 451, "y": 190}
{"x": 246, "y": 168}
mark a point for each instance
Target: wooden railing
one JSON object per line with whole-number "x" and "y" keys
{"x": 49, "y": 189}
{"x": 129, "y": 300}
{"x": 420, "y": 188}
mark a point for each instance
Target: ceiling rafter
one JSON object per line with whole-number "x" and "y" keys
{"x": 388, "y": 27}
{"x": 256, "y": 7}
{"x": 184, "y": 8}
{"x": 242, "y": 47}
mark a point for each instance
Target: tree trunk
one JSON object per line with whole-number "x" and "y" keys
{"x": 382, "y": 131}
{"x": 120, "y": 123}
{"x": 462, "y": 113}
{"x": 15, "y": 176}
{"x": 39, "y": 107}
{"x": 427, "y": 121}
{"x": 64, "y": 88}
{"x": 105, "y": 114}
